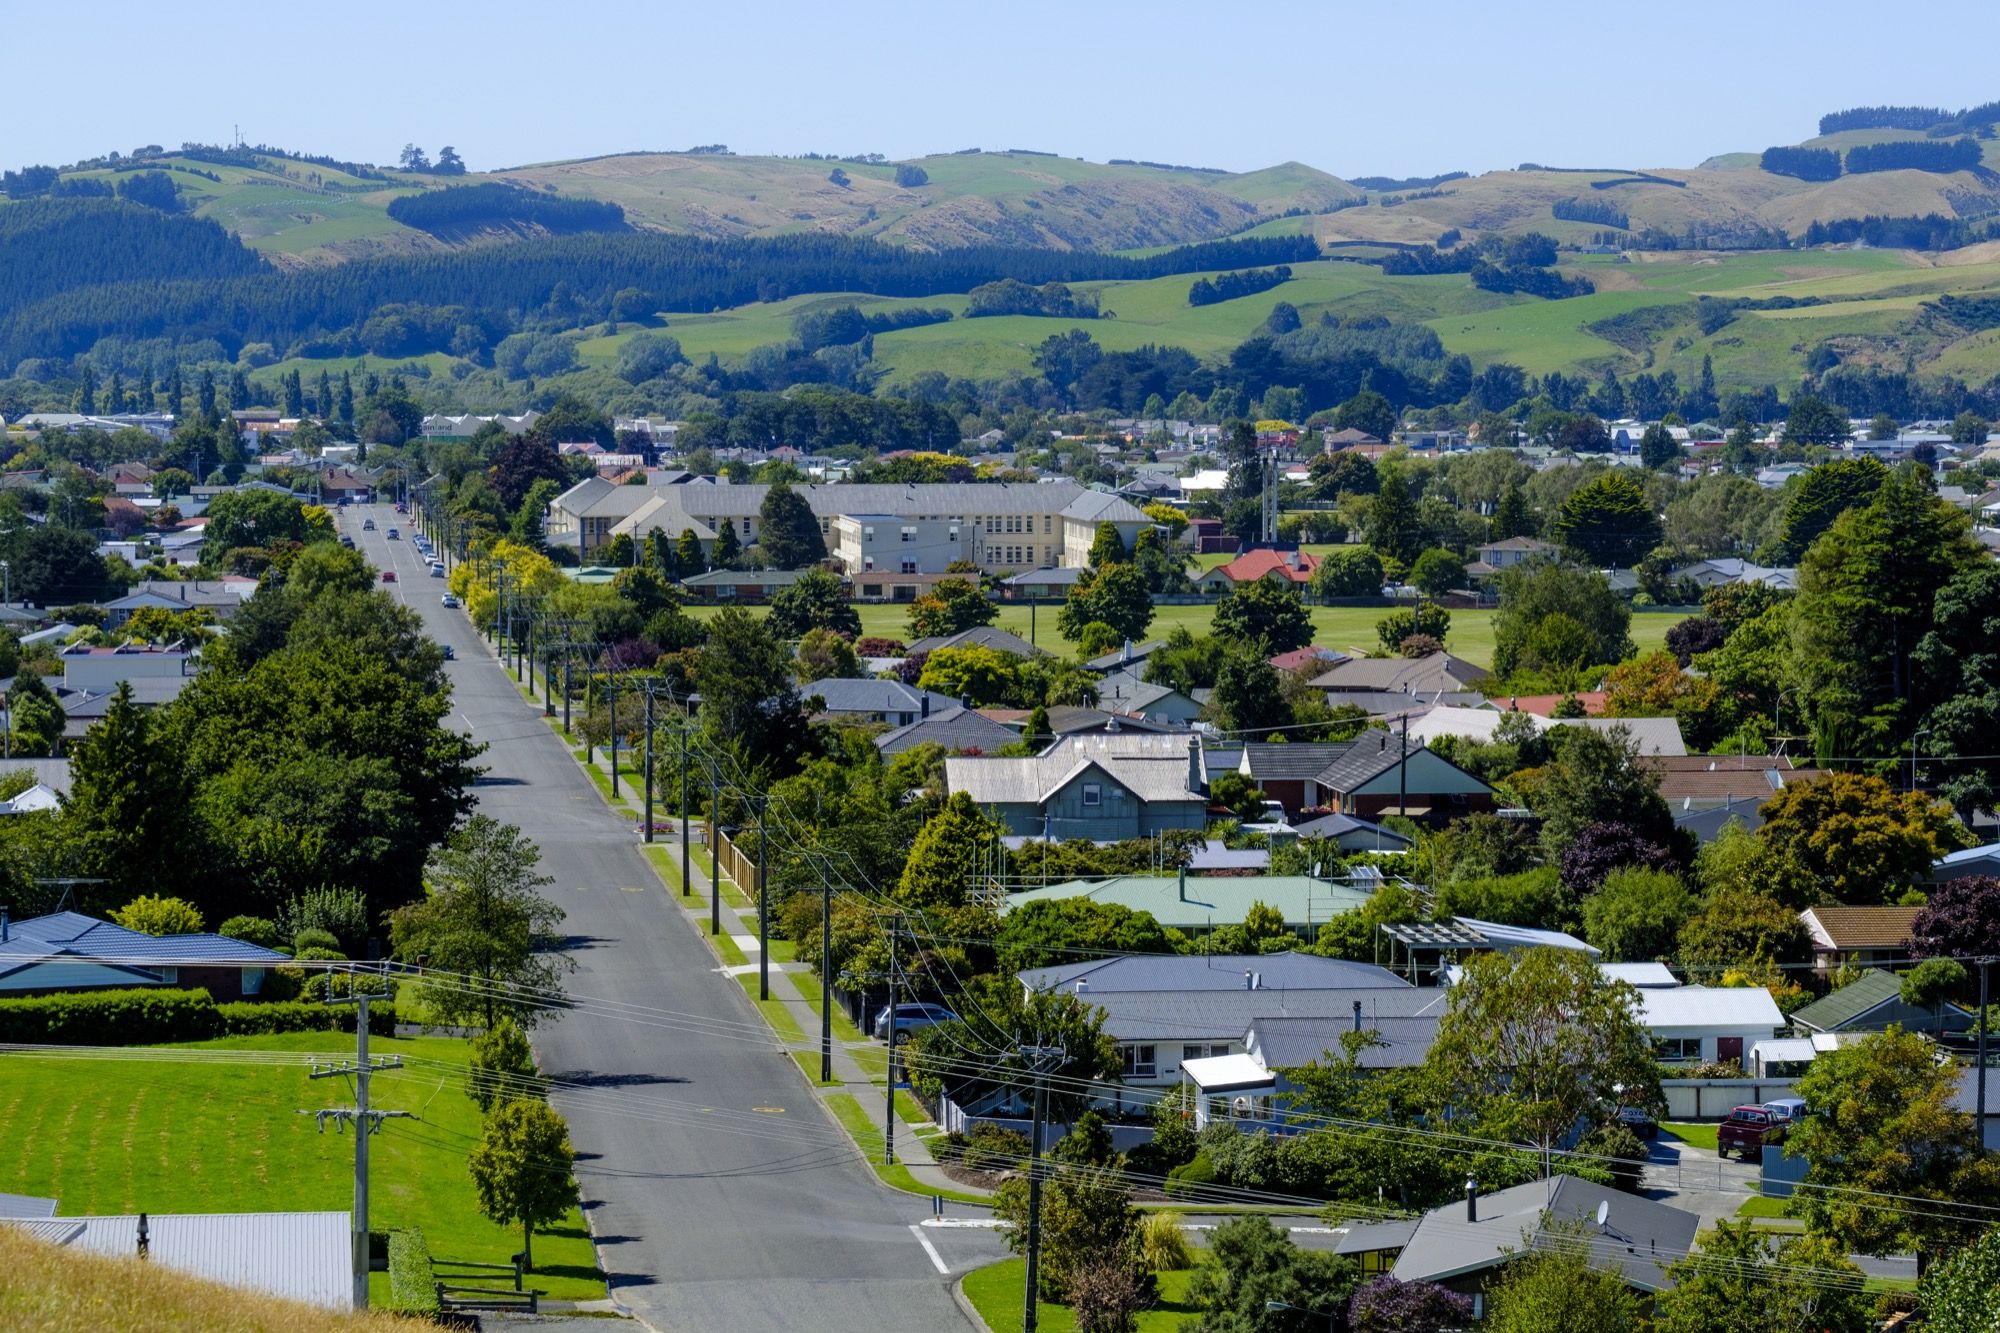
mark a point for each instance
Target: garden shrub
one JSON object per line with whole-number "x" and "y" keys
{"x": 251, "y": 930}
{"x": 1185, "y": 1181}
{"x": 412, "y": 1288}
{"x": 995, "y": 1148}
{"x": 314, "y": 940}
{"x": 143, "y": 1017}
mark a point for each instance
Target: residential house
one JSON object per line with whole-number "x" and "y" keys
{"x": 1298, "y": 659}
{"x": 1497, "y": 556}
{"x": 1352, "y": 835}
{"x": 1870, "y": 1003}
{"x": 889, "y": 701}
{"x": 957, "y": 729}
{"x": 1127, "y": 657}
{"x": 1857, "y": 936}
{"x": 1984, "y": 860}
{"x": 1655, "y": 736}
{"x": 1040, "y": 585}
{"x": 222, "y": 599}
{"x": 1400, "y": 675}
{"x": 67, "y": 951}
{"x": 739, "y": 585}
{"x": 1705, "y": 1025}
{"x": 1285, "y": 771}
{"x": 1726, "y": 571}
{"x": 1293, "y": 567}
{"x": 1697, "y": 782}
{"x": 1347, "y": 438}
{"x": 1373, "y": 777}
{"x": 979, "y": 636}
{"x": 1104, "y": 788}
{"x": 1124, "y": 693}
{"x": 102, "y": 670}
{"x": 1466, "y": 1246}
{"x": 1196, "y": 904}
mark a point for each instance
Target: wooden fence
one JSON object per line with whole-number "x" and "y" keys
{"x": 741, "y": 869}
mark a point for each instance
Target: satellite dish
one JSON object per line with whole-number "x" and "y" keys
{"x": 1603, "y": 1213}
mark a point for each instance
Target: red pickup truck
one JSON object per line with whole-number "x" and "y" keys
{"x": 1747, "y": 1130}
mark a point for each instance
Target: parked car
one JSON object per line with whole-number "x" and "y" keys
{"x": 1639, "y": 1122}
{"x": 437, "y": 570}
{"x": 449, "y": 602}
{"x": 910, "y": 1018}
{"x": 1787, "y": 1111}
{"x": 1747, "y": 1131}
{"x": 388, "y": 576}
{"x": 368, "y": 525}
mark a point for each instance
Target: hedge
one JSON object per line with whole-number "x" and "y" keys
{"x": 151, "y": 1016}
{"x": 412, "y": 1288}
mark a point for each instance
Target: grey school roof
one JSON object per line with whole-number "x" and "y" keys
{"x": 1639, "y": 1241}
{"x": 1207, "y": 972}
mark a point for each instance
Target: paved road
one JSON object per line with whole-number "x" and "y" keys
{"x": 762, "y": 1219}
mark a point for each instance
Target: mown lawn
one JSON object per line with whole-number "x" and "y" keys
{"x": 116, "y": 1135}
{"x": 997, "y": 1292}
{"x": 1347, "y": 628}
{"x": 1693, "y": 1135}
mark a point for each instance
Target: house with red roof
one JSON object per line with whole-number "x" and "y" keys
{"x": 1294, "y": 567}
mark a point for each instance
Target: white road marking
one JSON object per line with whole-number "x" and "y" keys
{"x": 931, "y": 1250}
{"x": 961, "y": 1223}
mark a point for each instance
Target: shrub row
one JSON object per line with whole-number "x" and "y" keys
{"x": 412, "y": 1289}
{"x": 148, "y": 1017}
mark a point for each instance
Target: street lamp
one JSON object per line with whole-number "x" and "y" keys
{"x": 1275, "y": 1306}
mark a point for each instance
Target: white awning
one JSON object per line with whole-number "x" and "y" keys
{"x": 1229, "y": 1073}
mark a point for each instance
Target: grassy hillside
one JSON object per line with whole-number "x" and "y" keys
{"x": 1874, "y": 313}
{"x": 55, "y": 1290}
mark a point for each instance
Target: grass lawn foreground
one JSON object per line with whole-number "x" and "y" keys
{"x": 996, "y": 1291}
{"x": 121, "y": 1135}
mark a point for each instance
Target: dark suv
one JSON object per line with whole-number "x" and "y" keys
{"x": 1747, "y": 1130}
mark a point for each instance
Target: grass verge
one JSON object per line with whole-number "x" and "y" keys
{"x": 996, "y": 1292}
{"x": 867, "y": 1136}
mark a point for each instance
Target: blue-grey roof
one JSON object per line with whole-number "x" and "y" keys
{"x": 305, "y": 1257}
{"x": 1125, "y": 654}
{"x": 79, "y": 936}
{"x": 1045, "y": 578}
{"x": 26, "y": 1205}
{"x": 1294, "y": 761}
{"x": 955, "y": 728}
{"x": 1653, "y": 1235}
{"x": 1209, "y": 972}
{"x": 874, "y": 696}
{"x": 1402, "y": 1040}
{"x": 980, "y": 636}
{"x": 1227, "y": 1015}
{"x": 1347, "y": 826}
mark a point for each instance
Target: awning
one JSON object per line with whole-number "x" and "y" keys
{"x": 1217, "y": 1074}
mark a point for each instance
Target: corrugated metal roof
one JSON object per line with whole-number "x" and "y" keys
{"x": 298, "y": 1256}
{"x": 1289, "y": 970}
{"x": 1709, "y": 1006}
{"x": 1401, "y": 1040}
{"x": 1654, "y": 1235}
{"x": 955, "y": 728}
{"x": 26, "y": 1205}
{"x": 1226, "y": 1015}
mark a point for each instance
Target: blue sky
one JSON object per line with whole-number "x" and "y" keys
{"x": 1356, "y": 89}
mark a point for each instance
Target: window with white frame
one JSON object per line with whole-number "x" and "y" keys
{"x": 1093, "y": 793}
{"x": 1139, "y": 1061}
{"x": 1678, "y": 1050}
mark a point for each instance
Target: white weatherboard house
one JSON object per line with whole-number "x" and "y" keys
{"x": 1708, "y": 1024}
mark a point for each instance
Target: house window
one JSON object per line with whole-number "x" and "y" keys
{"x": 909, "y": 534}
{"x": 1093, "y": 794}
{"x": 1200, "y": 1052}
{"x": 1139, "y": 1062}
{"x": 1678, "y": 1050}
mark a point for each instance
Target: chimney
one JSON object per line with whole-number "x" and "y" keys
{"x": 965, "y": 702}
{"x": 1249, "y": 981}
{"x": 1128, "y": 652}
{"x": 145, "y": 1237}
{"x": 924, "y": 703}
{"x": 1197, "y": 779}
{"x": 1471, "y": 1199}
{"x": 1083, "y": 985}
{"x": 1357, "y": 1018}
{"x": 1183, "y": 883}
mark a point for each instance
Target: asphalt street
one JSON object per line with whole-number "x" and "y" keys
{"x": 720, "y": 1193}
